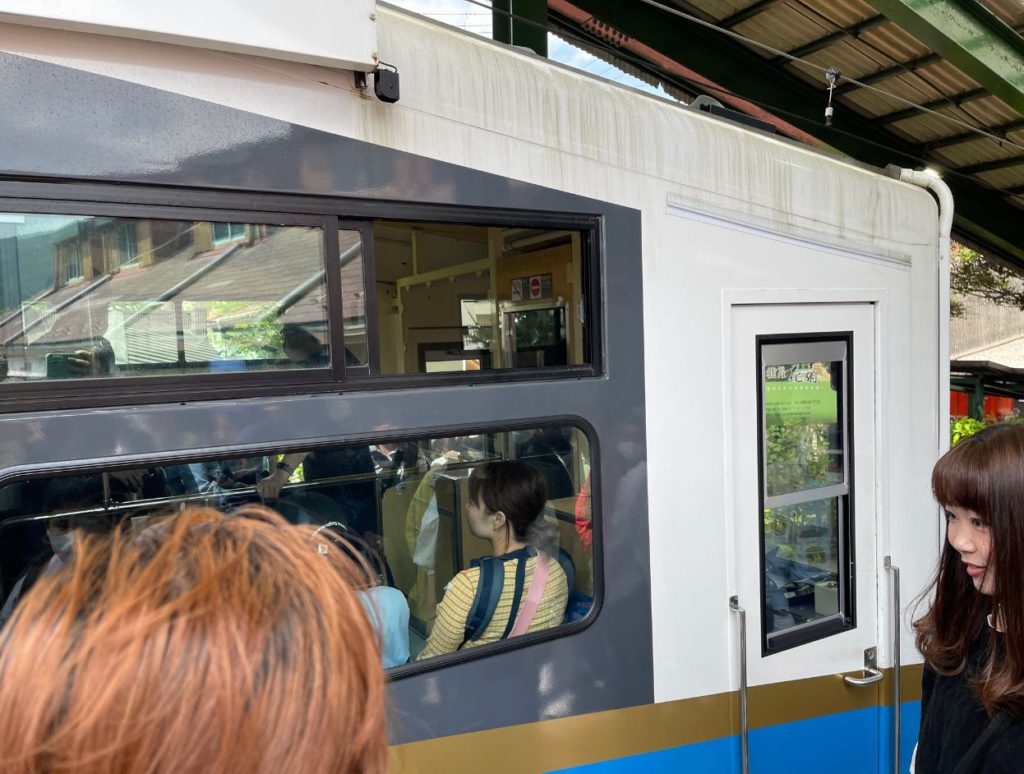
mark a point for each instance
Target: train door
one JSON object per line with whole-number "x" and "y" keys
{"x": 804, "y": 534}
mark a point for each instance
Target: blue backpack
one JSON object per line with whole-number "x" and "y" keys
{"x": 492, "y": 580}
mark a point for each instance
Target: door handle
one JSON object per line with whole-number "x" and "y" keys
{"x": 870, "y": 677}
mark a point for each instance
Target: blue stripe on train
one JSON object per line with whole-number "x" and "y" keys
{"x": 834, "y": 744}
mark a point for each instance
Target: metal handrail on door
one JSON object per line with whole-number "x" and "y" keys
{"x": 734, "y": 606}
{"x": 896, "y": 708}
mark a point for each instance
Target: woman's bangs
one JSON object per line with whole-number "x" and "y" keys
{"x": 958, "y": 480}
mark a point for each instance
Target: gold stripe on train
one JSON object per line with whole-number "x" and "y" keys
{"x": 576, "y": 741}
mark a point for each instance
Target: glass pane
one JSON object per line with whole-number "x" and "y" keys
{"x": 403, "y": 503}
{"x": 109, "y": 297}
{"x": 353, "y": 297}
{"x": 469, "y": 298}
{"x": 801, "y": 563}
{"x": 803, "y": 443}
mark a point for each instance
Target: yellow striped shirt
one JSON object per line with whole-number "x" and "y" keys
{"x": 452, "y": 611}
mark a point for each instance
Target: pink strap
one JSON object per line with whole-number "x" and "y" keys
{"x": 528, "y": 609}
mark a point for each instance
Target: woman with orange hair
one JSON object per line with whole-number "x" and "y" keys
{"x": 202, "y": 643}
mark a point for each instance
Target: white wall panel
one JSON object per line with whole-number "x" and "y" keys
{"x": 323, "y": 32}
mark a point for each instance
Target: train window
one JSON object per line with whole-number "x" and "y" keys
{"x": 458, "y": 298}
{"x": 805, "y": 492}
{"x": 121, "y": 297}
{"x": 404, "y": 503}
{"x": 353, "y": 303}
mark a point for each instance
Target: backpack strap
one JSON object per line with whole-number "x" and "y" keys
{"x": 517, "y": 592}
{"x": 533, "y": 597}
{"x": 488, "y": 592}
{"x": 974, "y": 758}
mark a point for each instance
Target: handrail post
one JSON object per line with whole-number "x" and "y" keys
{"x": 734, "y": 606}
{"x": 894, "y": 572}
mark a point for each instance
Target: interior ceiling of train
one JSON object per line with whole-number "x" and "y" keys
{"x": 937, "y": 84}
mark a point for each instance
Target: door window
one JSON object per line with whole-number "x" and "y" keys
{"x": 805, "y": 489}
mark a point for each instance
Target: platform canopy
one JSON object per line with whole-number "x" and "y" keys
{"x": 960, "y": 60}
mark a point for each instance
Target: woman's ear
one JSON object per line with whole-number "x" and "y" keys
{"x": 500, "y": 520}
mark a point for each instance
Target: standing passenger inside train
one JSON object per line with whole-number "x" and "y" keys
{"x": 201, "y": 643}
{"x": 518, "y": 589}
{"x": 972, "y": 636}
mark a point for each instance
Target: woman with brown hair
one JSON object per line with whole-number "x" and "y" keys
{"x": 528, "y": 589}
{"x": 202, "y": 643}
{"x": 972, "y": 636}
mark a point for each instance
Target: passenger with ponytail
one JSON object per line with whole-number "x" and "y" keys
{"x": 972, "y": 636}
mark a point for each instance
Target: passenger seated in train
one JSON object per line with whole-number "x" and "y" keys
{"x": 60, "y": 496}
{"x": 214, "y": 476}
{"x": 517, "y": 590}
{"x": 349, "y": 479}
{"x": 385, "y": 606}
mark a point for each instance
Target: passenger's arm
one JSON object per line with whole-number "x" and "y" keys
{"x": 450, "y": 627}
{"x": 270, "y": 487}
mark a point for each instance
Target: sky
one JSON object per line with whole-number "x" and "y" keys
{"x": 473, "y": 17}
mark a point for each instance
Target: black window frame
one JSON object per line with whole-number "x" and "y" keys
{"x": 330, "y": 214}
{"x": 392, "y": 435}
{"x": 787, "y": 640}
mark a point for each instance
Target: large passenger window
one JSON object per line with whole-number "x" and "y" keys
{"x": 403, "y": 503}
{"x": 455, "y": 298}
{"x": 88, "y": 296}
{"x": 805, "y": 491}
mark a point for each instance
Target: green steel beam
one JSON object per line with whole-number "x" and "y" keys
{"x": 969, "y": 36}
{"x": 982, "y": 215}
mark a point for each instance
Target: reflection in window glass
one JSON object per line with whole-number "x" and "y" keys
{"x": 470, "y": 298}
{"x": 805, "y": 494}
{"x": 803, "y": 436}
{"x": 404, "y": 503}
{"x": 97, "y": 296}
{"x": 801, "y": 562}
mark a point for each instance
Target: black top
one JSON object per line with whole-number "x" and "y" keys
{"x": 952, "y": 717}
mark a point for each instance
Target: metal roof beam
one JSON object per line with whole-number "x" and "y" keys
{"x": 831, "y": 39}
{"x": 959, "y": 139}
{"x": 898, "y": 69}
{"x": 969, "y": 36}
{"x": 991, "y": 166}
{"x": 982, "y": 215}
{"x": 953, "y": 101}
{"x": 748, "y": 13}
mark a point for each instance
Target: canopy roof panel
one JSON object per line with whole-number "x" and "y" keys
{"x": 923, "y": 82}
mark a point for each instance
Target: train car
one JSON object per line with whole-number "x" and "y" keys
{"x": 226, "y": 276}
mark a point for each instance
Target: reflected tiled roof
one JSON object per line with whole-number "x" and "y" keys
{"x": 279, "y": 277}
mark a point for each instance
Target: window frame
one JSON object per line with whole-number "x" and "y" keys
{"x": 847, "y": 564}
{"x": 330, "y": 214}
{"x": 96, "y": 466}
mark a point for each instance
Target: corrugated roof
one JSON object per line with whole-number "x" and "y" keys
{"x": 895, "y": 67}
